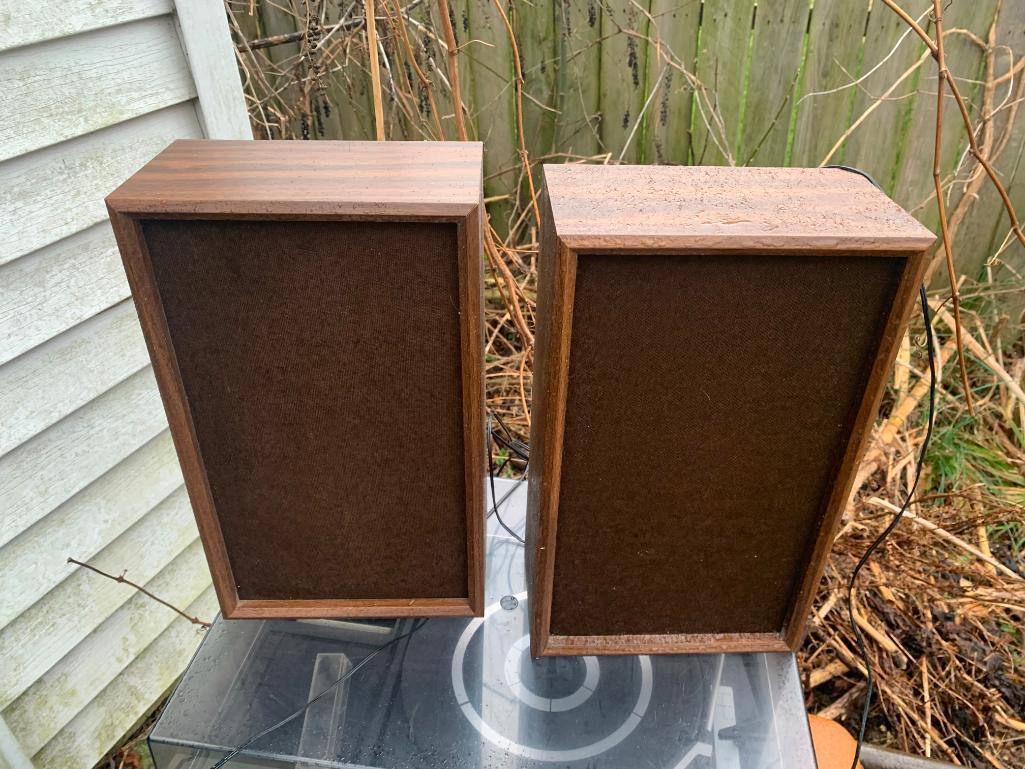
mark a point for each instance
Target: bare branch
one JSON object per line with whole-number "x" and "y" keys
{"x": 125, "y": 581}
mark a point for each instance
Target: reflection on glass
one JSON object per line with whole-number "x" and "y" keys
{"x": 465, "y": 694}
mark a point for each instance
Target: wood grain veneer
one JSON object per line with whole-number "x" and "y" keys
{"x": 313, "y": 311}
{"x": 711, "y": 349}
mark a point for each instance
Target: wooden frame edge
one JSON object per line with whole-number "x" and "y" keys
{"x": 471, "y": 325}
{"x": 292, "y": 211}
{"x": 125, "y": 222}
{"x": 795, "y": 624}
{"x": 385, "y": 608}
{"x": 552, "y": 361}
{"x": 685, "y": 643}
{"x": 721, "y": 245}
{"x": 139, "y": 270}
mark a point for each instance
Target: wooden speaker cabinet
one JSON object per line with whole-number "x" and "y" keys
{"x": 313, "y": 311}
{"x": 712, "y": 347}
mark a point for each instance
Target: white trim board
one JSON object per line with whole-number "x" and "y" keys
{"x": 220, "y": 106}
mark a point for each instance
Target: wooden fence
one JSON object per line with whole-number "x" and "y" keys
{"x": 778, "y": 82}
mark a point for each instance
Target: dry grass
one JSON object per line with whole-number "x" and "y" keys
{"x": 943, "y": 601}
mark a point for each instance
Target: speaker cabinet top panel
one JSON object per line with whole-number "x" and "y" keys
{"x": 329, "y": 178}
{"x": 705, "y": 208}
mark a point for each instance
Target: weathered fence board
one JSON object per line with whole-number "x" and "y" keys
{"x": 692, "y": 81}
{"x": 914, "y": 188}
{"x": 984, "y": 232}
{"x": 778, "y": 37}
{"x": 624, "y": 87}
{"x": 834, "y": 59}
{"x": 675, "y": 32}
{"x": 578, "y": 99}
{"x": 721, "y": 67}
{"x": 488, "y": 59}
{"x": 534, "y": 25}
{"x": 880, "y": 139}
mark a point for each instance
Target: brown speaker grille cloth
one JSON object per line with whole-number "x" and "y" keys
{"x": 321, "y": 362}
{"x": 708, "y": 402}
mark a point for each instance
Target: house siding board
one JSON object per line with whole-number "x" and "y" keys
{"x": 65, "y": 88}
{"x": 26, "y": 24}
{"x": 66, "y": 688}
{"x": 48, "y": 383}
{"x": 106, "y": 718}
{"x": 87, "y": 467}
{"x": 84, "y": 524}
{"x": 58, "y": 191}
{"x": 58, "y": 287}
{"x": 50, "y": 468}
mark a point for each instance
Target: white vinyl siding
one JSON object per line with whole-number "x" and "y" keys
{"x": 92, "y": 90}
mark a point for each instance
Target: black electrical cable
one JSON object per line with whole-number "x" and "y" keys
{"x": 857, "y": 171}
{"x": 514, "y": 447}
{"x": 858, "y": 637}
{"x": 291, "y": 717}
{"x": 510, "y": 492}
{"x": 930, "y": 342}
{"x": 518, "y": 447}
{"x": 494, "y": 495}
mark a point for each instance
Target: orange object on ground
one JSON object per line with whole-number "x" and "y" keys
{"x": 834, "y": 746}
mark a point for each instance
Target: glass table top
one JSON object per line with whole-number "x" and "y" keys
{"x": 465, "y": 694}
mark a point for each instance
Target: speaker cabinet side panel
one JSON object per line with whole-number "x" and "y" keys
{"x": 471, "y": 292}
{"x": 904, "y": 303}
{"x": 556, "y": 279}
{"x": 139, "y": 270}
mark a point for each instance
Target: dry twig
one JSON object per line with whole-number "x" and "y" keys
{"x": 125, "y": 581}
{"x": 375, "y": 69}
